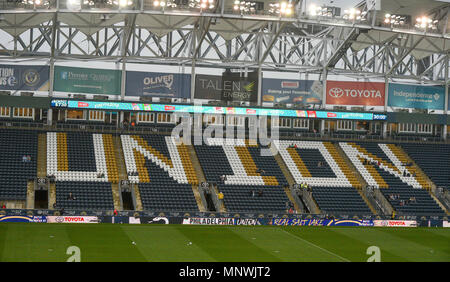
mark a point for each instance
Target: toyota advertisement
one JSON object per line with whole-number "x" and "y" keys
{"x": 355, "y": 93}
{"x": 72, "y": 219}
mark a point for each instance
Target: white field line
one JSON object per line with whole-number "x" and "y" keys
{"x": 314, "y": 245}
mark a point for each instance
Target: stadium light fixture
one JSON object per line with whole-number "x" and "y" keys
{"x": 354, "y": 15}
{"x": 202, "y": 4}
{"x": 282, "y": 8}
{"x": 320, "y": 11}
{"x": 394, "y": 20}
{"x": 244, "y": 7}
{"x": 426, "y": 23}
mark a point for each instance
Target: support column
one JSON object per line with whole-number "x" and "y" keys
{"x": 386, "y": 93}
{"x": 446, "y": 98}
{"x": 322, "y": 127}
{"x": 50, "y": 91}
{"x": 192, "y": 81}
{"x": 324, "y": 90}
{"x": 385, "y": 129}
{"x": 259, "y": 102}
{"x": 124, "y": 79}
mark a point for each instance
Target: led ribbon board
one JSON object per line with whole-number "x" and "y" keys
{"x": 119, "y": 106}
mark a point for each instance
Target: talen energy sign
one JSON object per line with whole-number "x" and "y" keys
{"x": 229, "y": 87}
{"x": 355, "y": 93}
{"x": 416, "y": 96}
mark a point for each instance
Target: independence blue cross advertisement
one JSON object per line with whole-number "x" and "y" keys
{"x": 291, "y": 91}
{"x": 416, "y": 96}
{"x": 154, "y": 84}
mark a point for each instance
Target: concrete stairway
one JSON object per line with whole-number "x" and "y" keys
{"x": 121, "y": 167}
{"x": 51, "y": 196}
{"x": 350, "y": 171}
{"x": 137, "y": 195}
{"x": 222, "y": 207}
{"x": 290, "y": 179}
{"x": 198, "y": 198}
{"x": 30, "y": 195}
{"x": 200, "y": 176}
{"x": 42, "y": 156}
{"x": 116, "y": 196}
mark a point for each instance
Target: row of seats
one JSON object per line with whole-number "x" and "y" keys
{"x": 433, "y": 159}
{"x": 14, "y": 172}
{"x": 86, "y": 195}
{"x": 339, "y": 200}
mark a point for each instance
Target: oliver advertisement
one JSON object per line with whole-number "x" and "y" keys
{"x": 153, "y": 84}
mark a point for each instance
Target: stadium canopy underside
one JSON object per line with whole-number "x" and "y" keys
{"x": 222, "y": 39}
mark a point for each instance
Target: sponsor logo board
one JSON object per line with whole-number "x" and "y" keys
{"x": 355, "y": 93}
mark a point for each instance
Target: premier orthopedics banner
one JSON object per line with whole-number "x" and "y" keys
{"x": 291, "y": 91}
{"x": 88, "y": 81}
{"x": 355, "y": 93}
{"x": 229, "y": 87}
{"x": 153, "y": 84}
{"x": 119, "y": 106}
{"x": 416, "y": 96}
{"x": 21, "y": 77}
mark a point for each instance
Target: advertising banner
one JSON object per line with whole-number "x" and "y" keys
{"x": 319, "y": 222}
{"x": 116, "y": 106}
{"x": 291, "y": 91}
{"x": 446, "y": 223}
{"x": 416, "y": 96}
{"x": 21, "y": 77}
{"x": 72, "y": 219}
{"x": 395, "y": 223}
{"x": 20, "y": 218}
{"x": 153, "y": 84}
{"x": 220, "y": 221}
{"x": 88, "y": 81}
{"x": 355, "y": 93}
{"x": 229, "y": 87}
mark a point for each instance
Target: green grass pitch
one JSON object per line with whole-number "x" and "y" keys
{"x": 170, "y": 243}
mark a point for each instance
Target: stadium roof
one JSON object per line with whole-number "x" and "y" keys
{"x": 226, "y": 40}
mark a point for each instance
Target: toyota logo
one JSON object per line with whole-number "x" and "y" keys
{"x": 336, "y": 92}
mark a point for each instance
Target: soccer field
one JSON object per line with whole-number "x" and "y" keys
{"x": 171, "y": 243}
